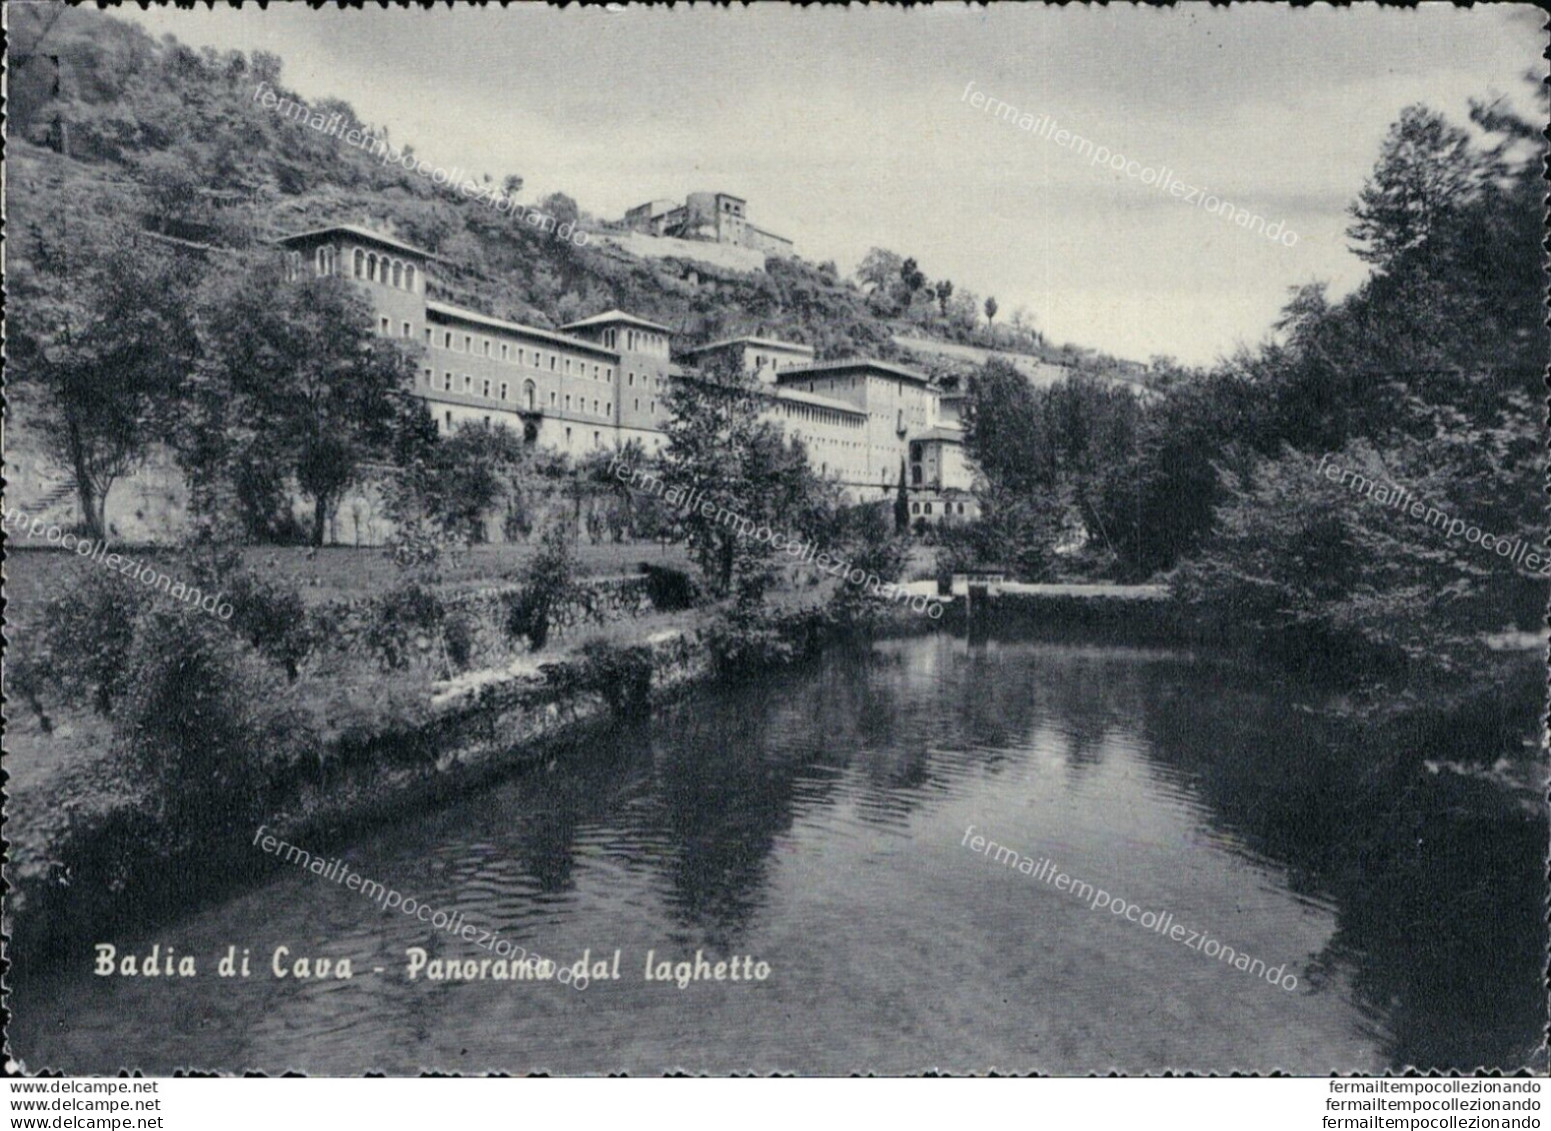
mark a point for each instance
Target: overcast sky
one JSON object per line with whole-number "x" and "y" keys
{"x": 847, "y": 128}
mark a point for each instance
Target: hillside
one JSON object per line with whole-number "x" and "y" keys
{"x": 172, "y": 141}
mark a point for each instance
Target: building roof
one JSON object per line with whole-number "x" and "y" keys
{"x": 611, "y": 316}
{"x": 820, "y": 367}
{"x": 768, "y": 232}
{"x": 772, "y": 343}
{"x": 801, "y": 397}
{"x": 947, "y": 435}
{"x": 459, "y": 312}
{"x": 360, "y": 233}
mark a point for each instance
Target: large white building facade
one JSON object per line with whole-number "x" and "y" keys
{"x": 599, "y": 383}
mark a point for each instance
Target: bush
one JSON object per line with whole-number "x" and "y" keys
{"x": 198, "y": 721}
{"x": 622, "y": 674}
{"x": 458, "y": 637}
{"x": 749, "y": 639}
{"x": 669, "y": 589}
{"x": 270, "y": 615}
{"x": 87, "y": 636}
{"x": 406, "y": 617}
{"x": 26, "y": 678}
{"x": 547, "y": 581}
{"x": 873, "y": 548}
{"x": 956, "y": 552}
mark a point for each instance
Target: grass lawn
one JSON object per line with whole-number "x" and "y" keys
{"x": 33, "y": 576}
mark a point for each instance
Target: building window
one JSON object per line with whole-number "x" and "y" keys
{"x": 653, "y": 409}
{"x": 552, "y": 359}
{"x": 503, "y": 351}
{"x": 551, "y": 398}
{"x": 429, "y": 379}
{"x": 522, "y": 357}
{"x": 928, "y": 508}
{"x": 398, "y": 274}
{"x": 359, "y": 262}
{"x": 595, "y": 406}
{"x": 486, "y": 392}
{"x": 409, "y": 278}
{"x": 503, "y": 390}
{"x": 597, "y": 440}
{"x": 528, "y": 393}
{"x": 608, "y": 373}
{"x": 371, "y": 267}
{"x": 632, "y": 378}
{"x": 428, "y": 335}
{"x": 386, "y": 327}
{"x": 915, "y": 475}
{"x": 608, "y": 408}
{"x": 447, "y": 340}
{"x": 568, "y": 365}
{"x": 468, "y": 343}
{"x": 409, "y": 331}
{"x": 568, "y": 402}
{"x": 915, "y": 508}
{"x": 487, "y": 420}
{"x": 638, "y": 404}
{"x": 487, "y": 347}
{"x": 448, "y": 417}
{"x": 468, "y": 383}
{"x": 568, "y": 437}
{"x": 447, "y": 381}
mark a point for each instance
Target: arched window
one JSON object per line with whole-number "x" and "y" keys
{"x": 409, "y": 277}
{"x": 360, "y": 264}
{"x": 371, "y": 267}
{"x": 398, "y": 274}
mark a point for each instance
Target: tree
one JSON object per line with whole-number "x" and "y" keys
{"x": 512, "y": 185}
{"x": 1005, "y": 432}
{"x": 944, "y": 293}
{"x": 103, "y": 331}
{"x": 1425, "y": 174}
{"x": 991, "y": 309}
{"x": 561, "y": 207}
{"x": 902, "y": 502}
{"x": 879, "y": 270}
{"x": 911, "y": 277}
{"x": 964, "y": 309}
{"x": 737, "y": 474}
{"x": 294, "y": 379}
{"x": 468, "y": 473}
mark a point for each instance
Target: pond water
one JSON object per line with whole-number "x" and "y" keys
{"x": 817, "y": 823}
